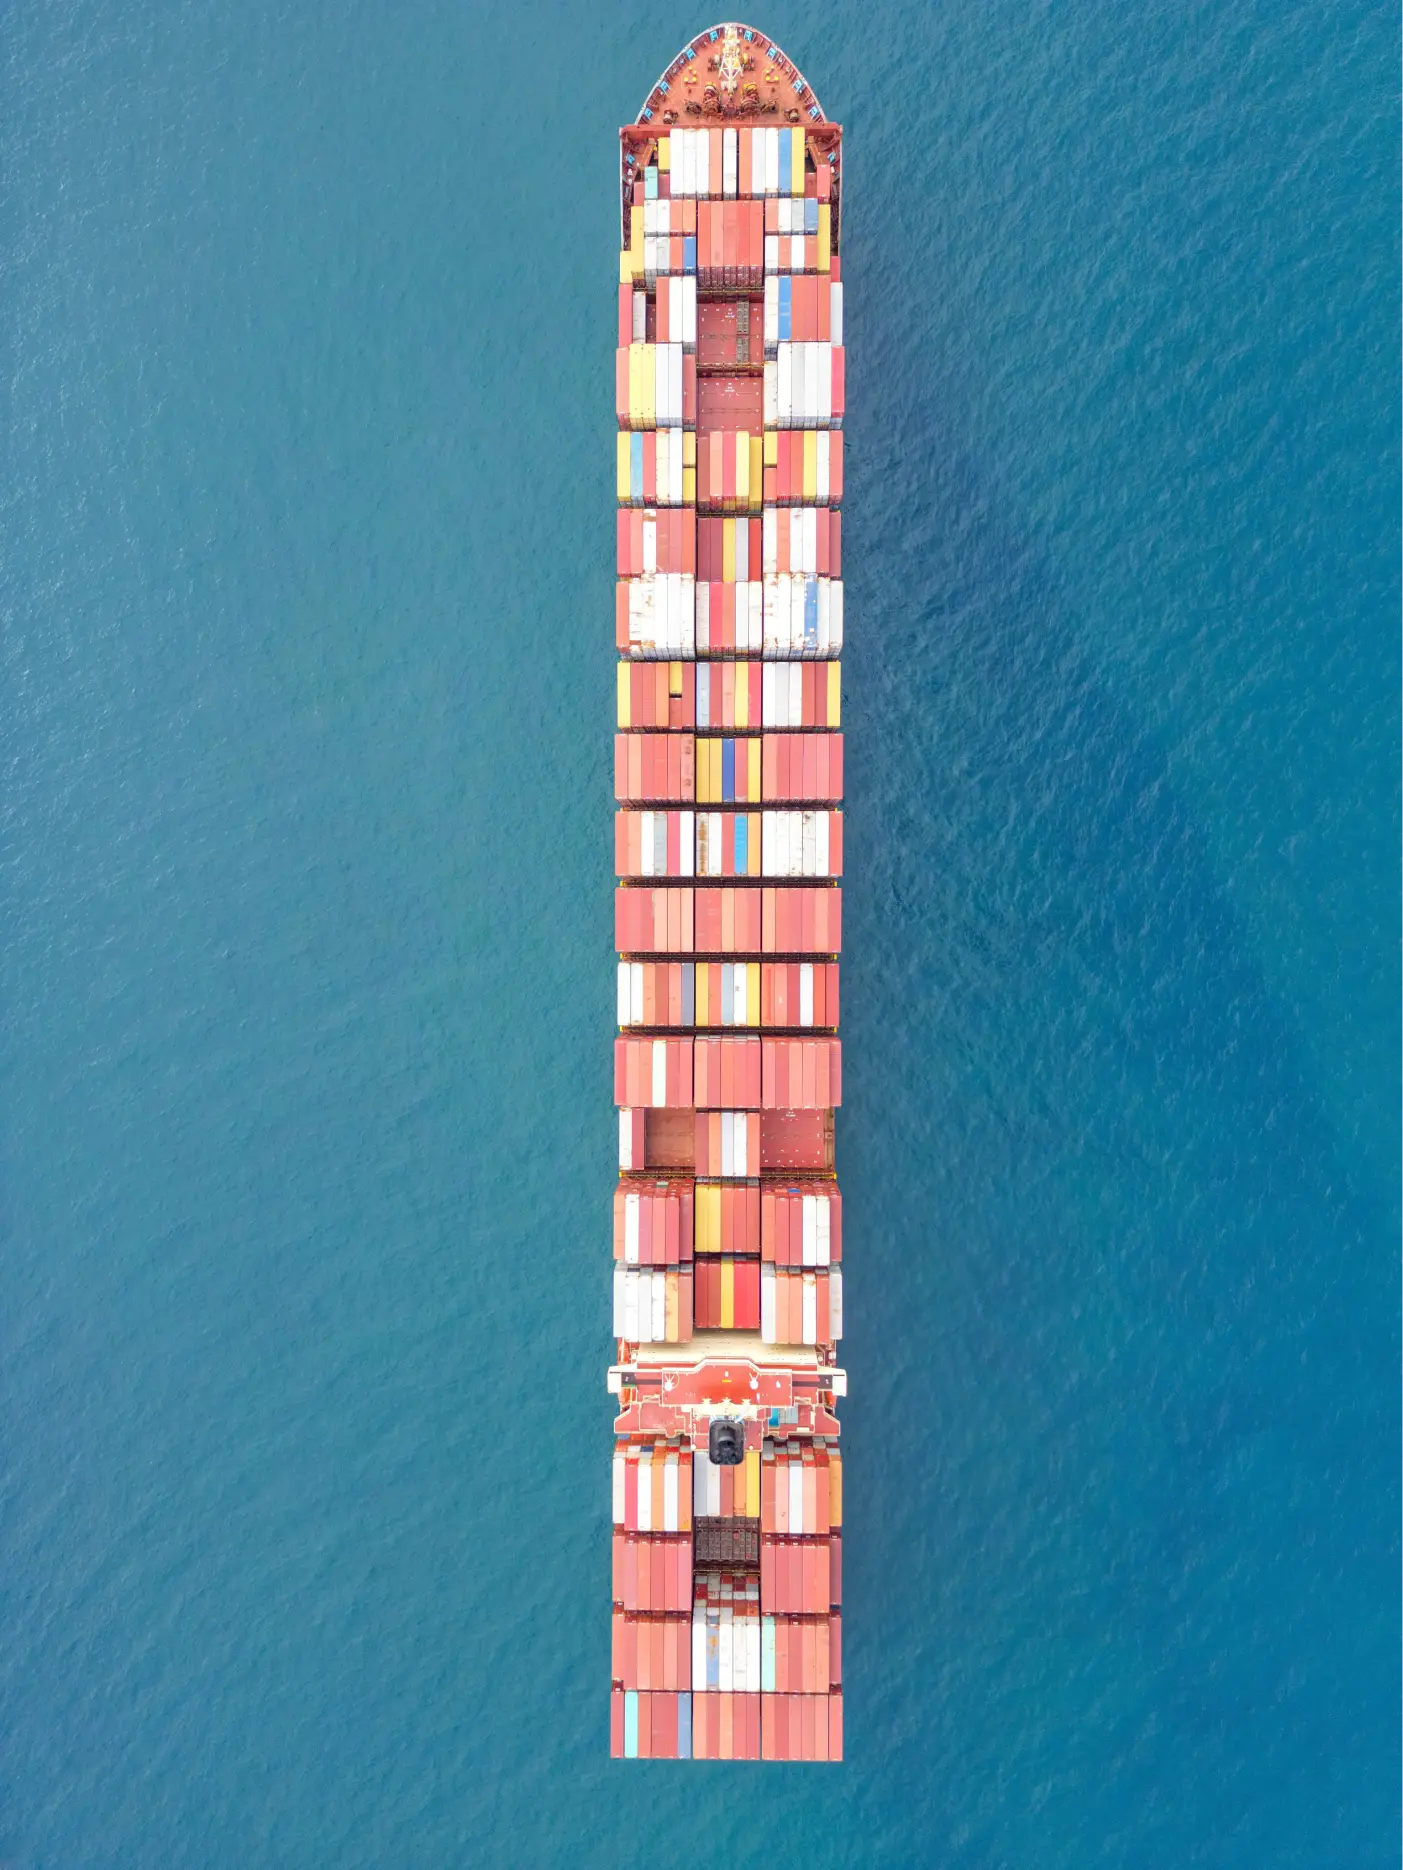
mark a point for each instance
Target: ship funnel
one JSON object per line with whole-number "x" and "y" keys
{"x": 725, "y": 1442}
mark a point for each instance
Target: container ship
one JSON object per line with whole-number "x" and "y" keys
{"x": 727, "y": 1545}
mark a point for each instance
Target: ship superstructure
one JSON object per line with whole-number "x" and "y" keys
{"x": 728, "y": 838}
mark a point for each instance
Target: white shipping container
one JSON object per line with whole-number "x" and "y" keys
{"x": 803, "y": 616}
{"x": 645, "y": 1490}
{"x": 738, "y": 999}
{"x": 729, "y": 162}
{"x": 626, "y": 1144}
{"x": 662, "y": 615}
{"x": 631, "y": 1229}
{"x": 835, "y": 1303}
{"x": 620, "y": 1463}
{"x": 823, "y": 1233}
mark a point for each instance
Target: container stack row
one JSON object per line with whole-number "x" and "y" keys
{"x": 732, "y": 1073}
{"x": 751, "y": 769}
{"x": 734, "y": 1144}
{"x": 728, "y": 844}
{"x": 774, "y": 994}
{"x": 717, "y": 695}
{"x": 664, "y": 1223}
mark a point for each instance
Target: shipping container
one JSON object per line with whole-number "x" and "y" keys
{"x": 725, "y": 1634}
{"x": 655, "y": 844}
{"x": 659, "y": 539}
{"x": 726, "y": 1072}
{"x": 647, "y": 1725}
{"x": 804, "y": 387}
{"x": 802, "y": 615}
{"x": 801, "y": 1727}
{"x": 800, "y": 1655}
{"x": 652, "y": 1571}
{"x": 761, "y": 694}
{"x": 727, "y": 1220}
{"x": 802, "y": 308}
{"x": 654, "y": 1305}
{"x": 654, "y": 1225}
{"x": 770, "y": 159}
{"x": 801, "y": 1224}
{"x": 654, "y": 384}
{"x": 801, "y": 1489}
{"x": 662, "y": 767}
{"x": 728, "y": 1143}
{"x": 664, "y": 694}
{"x": 655, "y": 616}
{"x": 760, "y": 920}
{"x": 796, "y": 1074}
{"x": 653, "y": 921}
{"x": 726, "y": 1294}
{"x": 729, "y": 619}
{"x": 652, "y": 1487}
{"x": 773, "y": 768}
{"x": 796, "y": 1573}
{"x": 803, "y": 467}
{"x": 657, "y": 467}
{"x": 726, "y": 1727}
{"x": 731, "y": 471}
{"x": 798, "y": 1307}
{"x": 806, "y": 540}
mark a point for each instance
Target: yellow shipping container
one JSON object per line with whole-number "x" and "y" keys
{"x": 757, "y": 472}
{"x": 689, "y": 448}
{"x": 825, "y": 235}
{"x": 751, "y": 1470}
{"x": 706, "y": 1222}
{"x": 689, "y": 486}
{"x": 811, "y": 464}
{"x": 796, "y": 161}
{"x": 625, "y": 695}
{"x": 625, "y": 472}
{"x": 664, "y": 154}
{"x": 835, "y": 1487}
{"x": 771, "y": 448}
{"x": 753, "y": 790}
{"x": 728, "y": 1295}
{"x": 835, "y": 697}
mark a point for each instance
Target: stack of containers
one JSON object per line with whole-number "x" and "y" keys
{"x": 650, "y": 1704}
{"x": 801, "y": 1516}
{"x": 729, "y": 770}
{"x": 772, "y": 994}
{"x": 766, "y": 694}
{"x": 731, "y": 472}
{"x": 653, "y": 1277}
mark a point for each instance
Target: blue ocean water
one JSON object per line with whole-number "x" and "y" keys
{"x": 307, "y": 982}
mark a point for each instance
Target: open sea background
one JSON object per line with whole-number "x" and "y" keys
{"x": 308, "y": 984}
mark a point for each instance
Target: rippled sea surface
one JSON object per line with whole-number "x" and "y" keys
{"x": 307, "y": 974}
